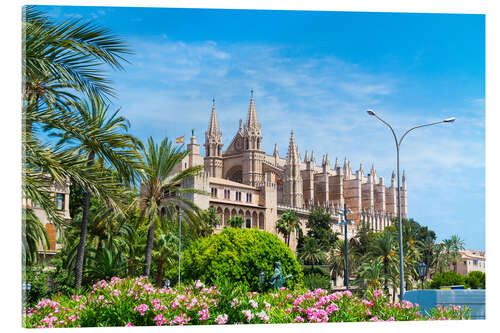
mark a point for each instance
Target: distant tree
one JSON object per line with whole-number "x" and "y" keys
{"x": 209, "y": 219}
{"x": 454, "y": 245}
{"x": 287, "y": 223}
{"x": 311, "y": 252}
{"x": 235, "y": 221}
{"x": 319, "y": 225}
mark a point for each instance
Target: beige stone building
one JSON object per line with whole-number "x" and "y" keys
{"x": 244, "y": 180}
{"x": 471, "y": 260}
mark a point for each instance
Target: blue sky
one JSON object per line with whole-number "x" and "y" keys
{"x": 316, "y": 73}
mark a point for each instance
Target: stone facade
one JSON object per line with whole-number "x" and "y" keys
{"x": 246, "y": 181}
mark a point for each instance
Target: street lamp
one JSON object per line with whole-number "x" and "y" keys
{"x": 345, "y": 222}
{"x": 422, "y": 272}
{"x": 398, "y": 145}
{"x": 179, "y": 278}
{"x": 262, "y": 279}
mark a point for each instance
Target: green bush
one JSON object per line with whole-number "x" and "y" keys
{"x": 315, "y": 281}
{"x": 239, "y": 255}
{"x": 235, "y": 221}
{"x": 317, "y": 270}
{"x": 476, "y": 280}
{"x": 449, "y": 278}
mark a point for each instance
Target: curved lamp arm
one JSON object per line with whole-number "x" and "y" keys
{"x": 392, "y": 130}
{"x": 415, "y": 127}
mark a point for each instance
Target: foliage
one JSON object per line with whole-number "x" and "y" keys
{"x": 449, "y": 278}
{"x": 135, "y": 302}
{"x": 319, "y": 225}
{"x": 209, "y": 220}
{"x": 34, "y": 234}
{"x": 311, "y": 252}
{"x": 235, "y": 222}
{"x": 315, "y": 281}
{"x": 239, "y": 255}
{"x": 314, "y": 270}
{"x": 287, "y": 223}
{"x": 476, "y": 280}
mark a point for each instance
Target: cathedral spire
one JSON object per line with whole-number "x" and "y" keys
{"x": 293, "y": 152}
{"x": 252, "y": 121}
{"x": 213, "y": 126}
{"x": 313, "y": 159}
{"x": 276, "y": 150}
{"x": 306, "y": 157}
{"x": 336, "y": 163}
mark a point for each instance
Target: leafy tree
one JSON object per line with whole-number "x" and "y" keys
{"x": 209, "y": 219}
{"x": 476, "y": 280}
{"x": 161, "y": 189}
{"x": 383, "y": 250}
{"x": 315, "y": 281}
{"x": 370, "y": 274}
{"x": 105, "y": 264}
{"x": 319, "y": 225}
{"x": 166, "y": 250}
{"x": 238, "y": 255}
{"x": 235, "y": 222}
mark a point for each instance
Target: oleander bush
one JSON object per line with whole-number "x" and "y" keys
{"x": 135, "y": 302}
{"x": 239, "y": 255}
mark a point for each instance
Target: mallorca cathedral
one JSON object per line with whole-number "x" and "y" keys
{"x": 244, "y": 180}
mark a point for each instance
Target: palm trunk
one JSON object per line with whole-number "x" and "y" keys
{"x": 149, "y": 249}
{"x": 159, "y": 272}
{"x": 80, "y": 254}
{"x": 81, "y": 245}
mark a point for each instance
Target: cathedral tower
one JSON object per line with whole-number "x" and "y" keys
{"x": 213, "y": 146}
{"x": 293, "y": 194}
{"x": 252, "y": 152}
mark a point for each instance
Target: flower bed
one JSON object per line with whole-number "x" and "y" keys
{"x": 135, "y": 302}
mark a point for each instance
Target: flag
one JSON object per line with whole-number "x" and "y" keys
{"x": 179, "y": 139}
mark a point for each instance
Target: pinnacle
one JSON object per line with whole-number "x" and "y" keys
{"x": 293, "y": 152}
{"x": 252, "y": 121}
{"x": 213, "y": 126}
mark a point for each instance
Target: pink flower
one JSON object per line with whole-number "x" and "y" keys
{"x": 263, "y": 316}
{"x": 142, "y": 308}
{"x": 374, "y": 319}
{"x": 377, "y": 293}
{"x": 248, "y": 314}
{"x": 160, "y": 320}
{"x": 221, "y": 319}
{"x": 204, "y": 315}
{"x": 390, "y": 319}
{"x": 332, "y": 308}
{"x": 299, "y": 319}
{"x": 254, "y": 304}
{"x": 129, "y": 324}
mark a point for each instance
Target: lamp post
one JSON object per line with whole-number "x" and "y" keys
{"x": 344, "y": 222}
{"x": 262, "y": 279}
{"x": 422, "y": 272}
{"x": 179, "y": 278}
{"x": 398, "y": 145}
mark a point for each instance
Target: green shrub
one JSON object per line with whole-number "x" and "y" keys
{"x": 449, "y": 278}
{"x": 317, "y": 270}
{"x": 315, "y": 281}
{"x": 476, "y": 280}
{"x": 239, "y": 255}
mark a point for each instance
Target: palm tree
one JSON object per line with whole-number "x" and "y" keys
{"x": 336, "y": 258}
{"x": 454, "y": 245}
{"x": 166, "y": 250}
{"x": 100, "y": 136}
{"x": 370, "y": 274}
{"x": 311, "y": 252}
{"x": 34, "y": 233}
{"x": 287, "y": 223}
{"x": 63, "y": 64}
{"x": 383, "y": 250}
{"x": 209, "y": 219}
{"x": 161, "y": 188}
